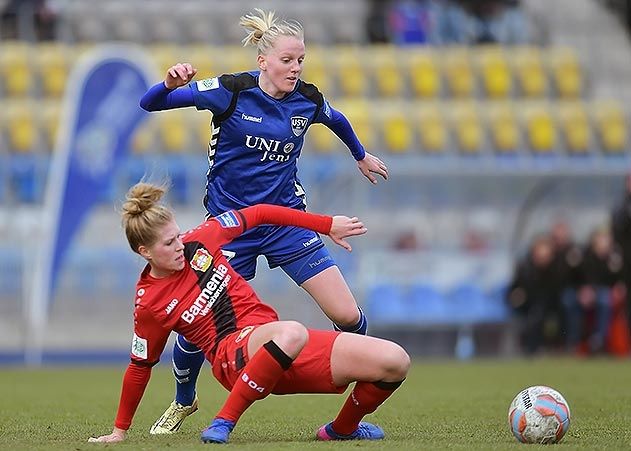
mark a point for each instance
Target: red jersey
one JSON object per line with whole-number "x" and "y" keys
{"x": 205, "y": 301}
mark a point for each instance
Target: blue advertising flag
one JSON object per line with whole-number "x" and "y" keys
{"x": 98, "y": 121}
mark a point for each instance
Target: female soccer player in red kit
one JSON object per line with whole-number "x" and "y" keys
{"x": 189, "y": 287}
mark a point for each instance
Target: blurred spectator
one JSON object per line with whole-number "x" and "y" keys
{"x": 406, "y": 241}
{"x": 533, "y": 294}
{"x": 475, "y": 242}
{"x": 485, "y": 22}
{"x": 589, "y": 316}
{"x": 413, "y": 21}
{"x": 568, "y": 258}
{"x": 28, "y": 20}
{"x": 621, "y": 228}
{"x": 376, "y": 28}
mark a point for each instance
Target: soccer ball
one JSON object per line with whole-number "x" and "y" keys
{"x": 539, "y": 414}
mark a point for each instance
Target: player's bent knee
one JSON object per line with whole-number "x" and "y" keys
{"x": 292, "y": 337}
{"x": 396, "y": 363}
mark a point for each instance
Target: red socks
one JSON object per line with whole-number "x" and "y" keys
{"x": 257, "y": 380}
{"x": 364, "y": 399}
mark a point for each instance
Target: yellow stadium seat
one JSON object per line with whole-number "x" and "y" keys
{"x": 466, "y": 123}
{"x": 360, "y": 113}
{"x": 204, "y": 58}
{"x": 201, "y": 122}
{"x": 165, "y": 56}
{"x": 529, "y": 71}
{"x": 611, "y": 125}
{"x": 350, "y": 74}
{"x": 396, "y": 129}
{"x": 321, "y": 138}
{"x": 143, "y": 139}
{"x": 494, "y": 71}
{"x": 388, "y": 74}
{"x": 15, "y": 68}
{"x": 21, "y": 126}
{"x": 574, "y": 124}
{"x": 458, "y": 71}
{"x": 503, "y": 126}
{"x": 540, "y": 127}
{"x": 316, "y": 71}
{"x": 173, "y": 131}
{"x": 566, "y": 72}
{"x": 236, "y": 58}
{"x": 52, "y": 63}
{"x": 49, "y": 117}
{"x": 425, "y": 77}
{"x": 431, "y": 127}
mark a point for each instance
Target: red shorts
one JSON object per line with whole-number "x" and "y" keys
{"x": 309, "y": 373}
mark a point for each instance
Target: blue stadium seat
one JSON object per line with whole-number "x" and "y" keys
{"x": 386, "y": 304}
{"x": 470, "y": 304}
{"x": 11, "y": 271}
{"x": 427, "y": 304}
{"x": 27, "y": 176}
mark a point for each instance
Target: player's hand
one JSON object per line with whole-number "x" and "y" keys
{"x": 117, "y": 435}
{"x": 343, "y": 227}
{"x": 372, "y": 165}
{"x": 179, "y": 75}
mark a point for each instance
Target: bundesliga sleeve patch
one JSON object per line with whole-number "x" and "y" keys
{"x": 208, "y": 84}
{"x": 139, "y": 347}
{"x": 228, "y": 219}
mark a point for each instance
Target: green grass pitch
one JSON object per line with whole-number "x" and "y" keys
{"x": 442, "y": 405}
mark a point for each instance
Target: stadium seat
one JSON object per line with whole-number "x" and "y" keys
{"x": 201, "y": 123}
{"x": 468, "y": 303}
{"x": 143, "y": 140}
{"x": 396, "y": 129}
{"x": 424, "y": 75}
{"x": 529, "y": 71}
{"x": 503, "y": 126}
{"x": 27, "y": 177}
{"x": 21, "y": 127}
{"x": 361, "y": 114}
{"x": 574, "y": 124}
{"x": 431, "y": 127}
{"x": 427, "y": 304}
{"x": 235, "y": 58}
{"x": 16, "y": 69}
{"x": 611, "y": 125}
{"x": 204, "y": 58}
{"x": 385, "y": 304}
{"x": 540, "y": 127}
{"x": 317, "y": 71}
{"x": 52, "y": 64}
{"x": 386, "y": 70}
{"x": 495, "y": 74}
{"x": 322, "y": 139}
{"x": 164, "y": 56}
{"x": 173, "y": 131}
{"x": 465, "y": 122}
{"x": 458, "y": 72}
{"x": 351, "y": 77}
{"x": 566, "y": 72}
{"x": 49, "y": 113}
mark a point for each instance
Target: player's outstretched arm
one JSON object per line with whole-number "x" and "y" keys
{"x": 117, "y": 435}
{"x": 342, "y": 227}
{"x": 370, "y": 165}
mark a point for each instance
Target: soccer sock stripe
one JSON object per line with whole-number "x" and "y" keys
{"x": 256, "y": 381}
{"x": 283, "y": 359}
{"x": 364, "y": 399}
{"x": 186, "y": 365}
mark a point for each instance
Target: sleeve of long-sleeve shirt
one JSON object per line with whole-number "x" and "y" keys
{"x": 159, "y": 98}
{"x": 134, "y": 383}
{"x": 234, "y": 222}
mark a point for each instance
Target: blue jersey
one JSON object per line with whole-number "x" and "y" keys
{"x": 255, "y": 140}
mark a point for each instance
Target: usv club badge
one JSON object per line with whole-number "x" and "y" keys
{"x": 298, "y": 124}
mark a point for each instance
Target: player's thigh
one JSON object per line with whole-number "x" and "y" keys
{"x": 330, "y": 291}
{"x": 362, "y": 358}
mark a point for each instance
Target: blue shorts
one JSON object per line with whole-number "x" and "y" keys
{"x": 299, "y": 252}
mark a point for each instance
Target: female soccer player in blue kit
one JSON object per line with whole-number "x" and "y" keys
{"x": 257, "y": 131}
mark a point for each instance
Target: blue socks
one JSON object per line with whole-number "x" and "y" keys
{"x": 360, "y": 328}
{"x": 187, "y": 362}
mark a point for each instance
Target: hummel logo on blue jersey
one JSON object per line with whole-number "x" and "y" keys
{"x": 247, "y": 117}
